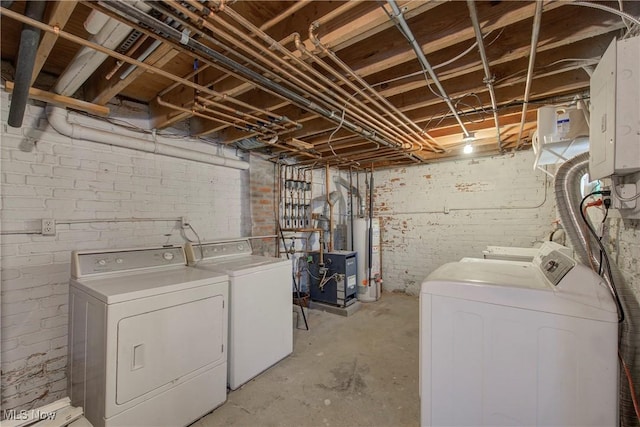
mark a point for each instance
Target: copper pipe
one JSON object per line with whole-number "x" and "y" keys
{"x": 326, "y": 183}
{"x": 266, "y": 39}
{"x": 408, "y": 124}
{"x": 259, "y": 110}
{"x": 188, "y": 76}
{"x": 78, "y": 40}
{"x": 403, "y": 26}
{"x": 131, "y": 51}
{"x": 287, "y": 74}
{"x": 290, "y": 11}
{"x": 381, "y": 121}
{"x": 193, "y": 111}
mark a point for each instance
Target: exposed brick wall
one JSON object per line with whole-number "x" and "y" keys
{"x": 624, "y": 247}
{"x": 263, "y": 199}
{"x": 46, "y": 175}
{"x": 439, "y": 213}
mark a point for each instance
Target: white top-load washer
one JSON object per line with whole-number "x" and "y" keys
{"x": 513, "y": 253}
{"x": 260, "y": 305}
{"x": 147, "y": 337}
{"x": 517, "y": 343}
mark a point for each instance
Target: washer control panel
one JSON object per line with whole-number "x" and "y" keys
{"x": 222, "y": 249}
{"x": 553, "y": 263}
{"x": 89, "y": 263}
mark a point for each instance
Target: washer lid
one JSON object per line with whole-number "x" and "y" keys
{"x": 127, "y": 286}
{"x": 246, "y": 264}
{"x": 579, "y": 293}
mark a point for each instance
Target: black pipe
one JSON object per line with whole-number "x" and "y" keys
{"x": 24, "y": 67}
{"x": 293, "y": 276}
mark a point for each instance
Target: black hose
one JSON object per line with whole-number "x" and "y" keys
{"x": 604, "y": 253}
{"x": 29, "y": 40}
{"x": 295, "y": 282}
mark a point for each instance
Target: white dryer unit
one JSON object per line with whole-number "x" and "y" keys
{"x": 517, "y": 343}
{"x": 147, "y": 337}
{"x": 260, "y": 301}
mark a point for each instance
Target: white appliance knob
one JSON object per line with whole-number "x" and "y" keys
{"x": 119, "y": 260}
{"x": 167, "y": 256}
{"x": 240, "y": 247}
{"x": 102, "y": 262}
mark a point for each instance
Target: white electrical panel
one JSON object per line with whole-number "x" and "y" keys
{"x": 615, "y": 111}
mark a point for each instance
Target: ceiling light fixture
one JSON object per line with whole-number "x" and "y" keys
{"x": 468, "y": 137}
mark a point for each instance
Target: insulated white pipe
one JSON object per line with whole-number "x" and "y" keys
{"x": 119, "y": 137}
{"x": 95, "y": 21}
{"x": 87, "y": 60}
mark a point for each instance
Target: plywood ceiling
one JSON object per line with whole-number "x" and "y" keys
{"x": 336, "y": 81}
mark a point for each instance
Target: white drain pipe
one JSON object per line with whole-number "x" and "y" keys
{"x": 120, "y": 137}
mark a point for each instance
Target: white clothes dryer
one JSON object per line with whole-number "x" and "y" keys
{"x": 260, "y": 305}
{"x": 147, "y": 337}
{"x": 517, "y": 343}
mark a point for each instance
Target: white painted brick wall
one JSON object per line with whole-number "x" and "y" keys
{"x": 624, "y": 246}
{"x": 61, "y": 178}
{"x": 490, "y": 201}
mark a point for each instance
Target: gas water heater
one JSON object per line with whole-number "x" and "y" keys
{"x": 369, "y": 272}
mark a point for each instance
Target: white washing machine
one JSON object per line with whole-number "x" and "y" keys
{"x": 517, "y": 343}
{"x": 260, "y": 301}
{"x": 147, "y": 337}
{"x": 512, "y": 253}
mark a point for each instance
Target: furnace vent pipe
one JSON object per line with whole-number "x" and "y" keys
{"x": 29, "y": 40}
{"x": 568, "y": 198}
{"x": 118, "y": 137}
{"x": 354, "y": 191}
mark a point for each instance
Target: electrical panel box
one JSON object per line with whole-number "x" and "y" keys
{"x": 615, "y": 111}
{"x": 335, "y": 282}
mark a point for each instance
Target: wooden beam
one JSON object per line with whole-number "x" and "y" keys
{"x": 355, "y": 30}
{"x": 60, "y": 14}
{"x": 160, "y": 57}
{"x": 392, "y": 50}
{"x": 64, "y": 101}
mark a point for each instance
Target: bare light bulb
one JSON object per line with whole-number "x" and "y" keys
{"x": 468, "y": 149}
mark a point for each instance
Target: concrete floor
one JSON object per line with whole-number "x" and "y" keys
{"x": 360, "y": 370}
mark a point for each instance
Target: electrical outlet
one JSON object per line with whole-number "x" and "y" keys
{"x": 184, "y": 221}
{"x": 48, "y": 227}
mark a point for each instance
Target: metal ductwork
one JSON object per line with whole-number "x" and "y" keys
{"x": 338, "y": 181}
{"x": 29, "y": 40}
{"x": 568, "y": 197}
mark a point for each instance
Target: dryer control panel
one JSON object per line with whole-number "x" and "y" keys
{"x": 215, "y": 250}
{"x": 87, "y": 263}
{"x": 553, "y": 262}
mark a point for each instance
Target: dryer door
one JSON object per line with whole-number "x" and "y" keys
{"x": 164, "y": 345}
